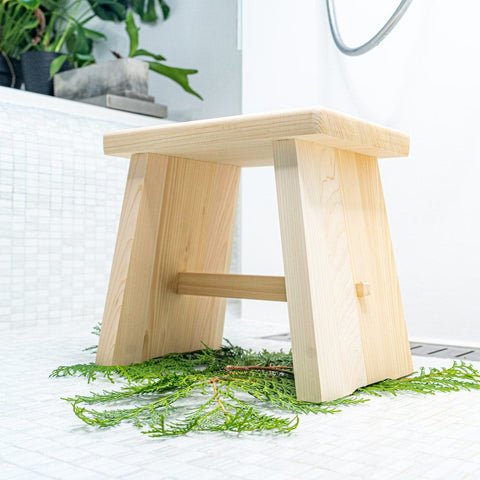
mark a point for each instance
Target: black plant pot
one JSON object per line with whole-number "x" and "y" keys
{"x": 36, "y": 71}
{"x": 6, "y": 78}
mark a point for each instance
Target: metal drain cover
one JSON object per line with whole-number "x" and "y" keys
{"x": 420, "y": 349}
{"x": 282, "y": 337}
{"x": 444, "y": 351}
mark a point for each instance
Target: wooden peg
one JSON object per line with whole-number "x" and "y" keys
{"x": 363, "y": 289}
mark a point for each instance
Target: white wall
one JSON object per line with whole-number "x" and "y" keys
{"x": 201, "y": 35}
{"x": 282, "y": 52}
{"x": 424, "y": 80}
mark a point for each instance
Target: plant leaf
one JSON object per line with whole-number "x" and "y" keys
{"x": 86, "y": 57}
{"x": 30, "y": 4}
{"x": 145, "y": 10}
{"x": 149, "y": 14}
{"x": 146, "y": 53}
{"x": 132, "y": 31}
{"x": 137, "y": 6}
{"x": 93, "y": 34}
{"x": 48, "y": 34}
{"x": 110, "y": 10}
{"x": 56, "y": 65}
{"x": 82, "y": 45}
{"x": 165, "y": 9}
{"x": 178, "y": 75}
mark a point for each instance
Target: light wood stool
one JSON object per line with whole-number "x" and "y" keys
{"x": 174, "y": 245}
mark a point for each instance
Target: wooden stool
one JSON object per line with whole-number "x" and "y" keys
{"x": 174, "y": 245}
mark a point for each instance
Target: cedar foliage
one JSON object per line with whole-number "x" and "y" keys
{"x": 204, "y": 391}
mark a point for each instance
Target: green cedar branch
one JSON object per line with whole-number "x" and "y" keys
{"x": 229, "y": 389}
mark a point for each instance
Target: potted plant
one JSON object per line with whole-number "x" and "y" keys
{"x": 62, "y": 28}
{"x": 17, "y": 19}
{"x": 125, "y": 76}
{"x": 63, "y": 41}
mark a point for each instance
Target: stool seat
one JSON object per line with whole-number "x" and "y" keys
{"x": 247, "y": 140}
{"x": 171, "y": 266}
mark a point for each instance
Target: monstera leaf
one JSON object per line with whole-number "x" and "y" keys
{"x": 178, "y": 75}
{"x": 110, "y": 10}
{"x": 116, "y": 10}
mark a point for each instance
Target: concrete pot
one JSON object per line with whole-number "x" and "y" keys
{"x": 125, "y": 77}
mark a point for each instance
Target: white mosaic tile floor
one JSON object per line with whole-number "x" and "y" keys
{"x": 408, "y": 437}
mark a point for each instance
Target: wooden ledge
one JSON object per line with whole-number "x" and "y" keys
{"x": 246, "y": 140}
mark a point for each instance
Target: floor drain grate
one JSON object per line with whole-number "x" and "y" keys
{"x": 282, "y": 337}
{"x": 420, "y": 349}
{"x": 445, "y": 351}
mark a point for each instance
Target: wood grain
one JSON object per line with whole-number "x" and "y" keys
{"x": 183, "y": 219}
{"x": 322, "y": 305}
{"x": 382, "y": 323}
{"x": 255, "y": 287}
{"x": 125, "y": 318}
{"x": 246, "y": 140}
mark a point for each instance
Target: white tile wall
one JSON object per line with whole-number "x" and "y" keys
{"x": 60, "y": 202}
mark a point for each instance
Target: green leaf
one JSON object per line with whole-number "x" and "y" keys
{"x": 178, "y": 75}
{"x": 30, "y": 4}
{"x": 145, "y": 53}
{"x": 93, "y": 34}
{"x": 137, "y": 6}
{"x": 82, "y": 60}
{"x": 48, "y": 34}
{"x": 86, "y": 57}
{"x": 132, "y": 31}
{"x": 149, "y": 15}
{"x": 30, "y": 25}
{"x": 70, "y": 44}
{"x": 165, "y": 9}
{"x": 82, "y": 45}
{"x": 56, "y": 65}
{"x": 110, "y": 10}
{"x": 145, "y": 10}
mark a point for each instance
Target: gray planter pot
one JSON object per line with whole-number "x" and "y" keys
{"x": 9, "y": 66}
{"x": 126, "y": 77}
{"x": 36, "y": 70}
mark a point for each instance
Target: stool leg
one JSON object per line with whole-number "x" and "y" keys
{"x": 382, "y": 322}
{"x": 327, "y": 241}
{"x": 178, "y": 215}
